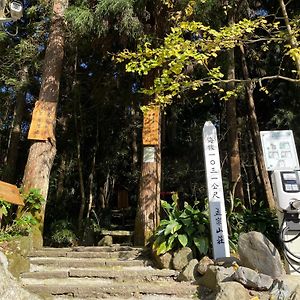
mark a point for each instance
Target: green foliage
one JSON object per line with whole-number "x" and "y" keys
{"x": 4, "y": 207}
{"x": 22, "y": 225}
{"x": 33, "y": 201}
{"x": 62, "y": 234}
{"x": 116, "y": 15}
{"x": 81, "y": 18}
{"x": 178, "y": 52}
{"x": 187, "y": 227}
{"x": 263, "y": 220}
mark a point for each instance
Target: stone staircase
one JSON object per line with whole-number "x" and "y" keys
{"x": 114, "y": 272}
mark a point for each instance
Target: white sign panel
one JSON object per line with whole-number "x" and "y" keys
{"x": 149, "y": 154}
{"x": 218, "y": 225}
{"x": 279, "y": 150}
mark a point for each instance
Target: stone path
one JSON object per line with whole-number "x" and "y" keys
{"x": 115, "y": 272}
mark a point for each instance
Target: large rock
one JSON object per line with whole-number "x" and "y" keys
{"x": 280, "y": 290}
{"x": 9, "y": 287}
{"x": 215, "y": 275}
{"x": 287, "y": 286}
{"x": 182, "y": 257}
{"x": 203, "y": 265}
{"x": 258, "y": 253}
{"x": 227, "y": 261}
{"x": 163, "y": 261}
{"x": 107, "y": 240}
{"x": 189, "y": 273}
{"x": 232, "y": 291}
{"x": 16, "y": 251}
{"x": 251, "y": 279}
{"x": 296, "y": 293}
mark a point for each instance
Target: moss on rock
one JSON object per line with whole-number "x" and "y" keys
{"x": 16, "y": 251}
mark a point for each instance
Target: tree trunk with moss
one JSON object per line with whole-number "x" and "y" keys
{"x": 42, "y": 153}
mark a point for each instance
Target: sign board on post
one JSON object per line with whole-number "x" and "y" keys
{"x": 10, "y": 193}
{"x": 149, "y": 155}
{"x": 151, "y": 126}
{"x": 41, "y": 127}
{"x": 218, "y": 225}
{"x": 279, "y": 150}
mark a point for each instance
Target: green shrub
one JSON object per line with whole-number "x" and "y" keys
{"x": 62, "y": 234}
{"x": 22, "y": 225}
{"x": 33, "y": 201}
{"x": 262, "y": 220}
{"x": 187, "y": 227}
{"x": 4, "y": 207}
{"x": 190, "y": 227}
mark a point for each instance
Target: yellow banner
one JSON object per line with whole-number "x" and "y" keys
{"x": 43, "y": 116}
{"x": 151, "y": 127}
{"x": 10, "y": 193}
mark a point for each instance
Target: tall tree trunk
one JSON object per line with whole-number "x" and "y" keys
{"x": 93, "y": 171}
{"x": 255, "y": 134}
{"x": 134, "y": 134}
{"x": 148, "y": 210}
{"x": 236, "y": 184}
{"x": 9, "y": 172}
{"x": 233, "y": 135}
{"x": 292, "y": 38}
{"x": 147, "y": 217}
{"x": 62, "y": 169}
{"x": 80, "y": 170}
{"x": 41, "y": 153}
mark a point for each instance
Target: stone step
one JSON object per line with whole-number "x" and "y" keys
{"x": 121, "y": 275}
{"x": 115, "y": 272}
{"x": 103, "y": 288}
{"x": 49, "y": 251}
{"x": 88, "y": 254}
{"x": 140, "y": 297}
{"x": 42, "y": 263}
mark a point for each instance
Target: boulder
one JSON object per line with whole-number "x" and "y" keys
{"x": 258, "y": 253}
{"x": 189, "y": 273}
{"x": 107, "y": 240}
{"x": 182, "y": 257}
{"x": 16, "y": 251}
{"x": 251, "y": 279}
{"x": 203, "y": 265}
{"x": 231, "y": 291}
{"x": 9, "y": 287}
{"x": 227, "y": 261}
{"x": 290, "y": 281}
{"x": 216, "y": 275}
{"x": 280, "y": 290}
{"x": 296, "y": 293}
{"x": 163, "y": 261}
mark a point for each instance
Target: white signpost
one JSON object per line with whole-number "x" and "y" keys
{"x": 218, "y": 225}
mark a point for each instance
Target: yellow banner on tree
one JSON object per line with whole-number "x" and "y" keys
{"x": 43, "y": 116}
{"x": 151, "y": 126}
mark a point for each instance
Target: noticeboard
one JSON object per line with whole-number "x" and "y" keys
{"x": 10, "y": 193}
{"x": 279, "y": 150}
{"x": 41, "y": 127}
{"x": 151, "y": 126}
